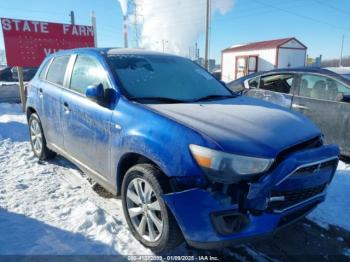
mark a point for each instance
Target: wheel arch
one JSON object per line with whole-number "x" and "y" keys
{"x": 129, "y": 160}
{"x": 29, "y": 111}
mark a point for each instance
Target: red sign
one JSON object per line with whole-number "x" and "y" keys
{"x": 28, "y": 42}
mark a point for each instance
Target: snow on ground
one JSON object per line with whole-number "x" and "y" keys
{"x": 50, "y": 208}
{"x": 335, "y": 210}
{"x": 47, "y": 208}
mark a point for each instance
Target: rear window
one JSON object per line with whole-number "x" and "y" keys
{"x": 57, "y": 70}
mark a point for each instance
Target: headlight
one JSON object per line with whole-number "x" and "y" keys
{"x": 228, "y": 168}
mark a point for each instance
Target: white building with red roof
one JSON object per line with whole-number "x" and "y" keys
{"x": 244, "y": 59}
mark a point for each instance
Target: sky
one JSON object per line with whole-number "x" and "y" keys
{"x": 319, "y": 24}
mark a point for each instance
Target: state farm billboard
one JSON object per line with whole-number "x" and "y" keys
{"x": 28, "y": 42}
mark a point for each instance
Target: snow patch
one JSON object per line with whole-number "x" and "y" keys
{"x": 334, "y": 210}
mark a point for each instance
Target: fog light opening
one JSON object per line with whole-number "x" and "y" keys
{"x": 228, "y": 223}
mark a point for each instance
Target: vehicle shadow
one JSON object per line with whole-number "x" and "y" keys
{"x": 63, "y": 162}
{"x": 21, "y": 235}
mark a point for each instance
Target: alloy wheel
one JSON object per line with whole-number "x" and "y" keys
{"x": 144, "y": 209}
{"x": 36, "y": 136}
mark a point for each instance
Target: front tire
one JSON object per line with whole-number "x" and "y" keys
{"x": 149, "y": 219}
{"x": 37, "y": 138}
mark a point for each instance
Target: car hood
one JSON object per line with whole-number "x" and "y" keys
{"x": 243, "y": 125}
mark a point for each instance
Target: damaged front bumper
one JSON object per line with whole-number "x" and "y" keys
{"x": 209, "y": 218}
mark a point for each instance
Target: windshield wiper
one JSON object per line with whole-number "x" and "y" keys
{"x": 159, "y": 99}
{"x": 210, "y": 97}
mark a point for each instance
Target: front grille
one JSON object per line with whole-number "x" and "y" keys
{"x": 294, "y": 197}
{"x": 327, "y": 166}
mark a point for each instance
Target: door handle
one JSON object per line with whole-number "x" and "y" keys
{"x": 66, "y": 107}
{"x": 41, "y": 92}
{"x": 297, "y": 106}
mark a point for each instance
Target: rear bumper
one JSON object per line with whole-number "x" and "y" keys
{"x": 194, "y": 208}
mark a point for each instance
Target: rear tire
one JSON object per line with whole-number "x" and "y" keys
{"x": 37, "y": 138}
{"x": 149, "y": 219}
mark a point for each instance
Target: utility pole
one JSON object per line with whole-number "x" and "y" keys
{"x": 93, "y": 23}
{"x": 125, "y": 19}
{"x": 341, "y": 52}
{"x": 207, "y": 18}
{"x": 135, "y": 7}
{"x": 163, "y": 42}
{"x": 72, "y": 17}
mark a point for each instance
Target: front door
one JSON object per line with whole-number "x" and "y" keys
{"x": 276, "y": 88}
{"x": 319, "y": 97}
{"x": 86, "y": 124}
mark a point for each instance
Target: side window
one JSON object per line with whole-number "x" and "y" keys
{"x": 87, "y": 71}
{"x": 254, "y": 82}
{"x": 277, "y": 83}
{"x": 57, "y": 70}
{"x": 321, "y": 87}
{"x": 42, "y": 74}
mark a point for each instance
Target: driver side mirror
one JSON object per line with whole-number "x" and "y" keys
{"x": 103, "y": 97}
{"x": 95, "y": 93}
{"x": 238, "y": 88}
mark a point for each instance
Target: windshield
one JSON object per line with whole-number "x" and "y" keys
{"x": 168, "y": 77}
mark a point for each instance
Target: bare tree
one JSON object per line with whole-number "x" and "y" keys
{"x": 335, "y": 62}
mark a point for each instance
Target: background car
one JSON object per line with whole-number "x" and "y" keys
{"x": 343, "y": 71}
{"x": 28, "y": 73}
{"x": 5, "y": 74}
{"x": 321, "y": 94}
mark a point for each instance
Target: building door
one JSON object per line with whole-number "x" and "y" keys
{"x": 246, "y": 65}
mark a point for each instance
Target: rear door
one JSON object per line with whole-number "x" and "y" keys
{"x": 274, "y": 88}
{"x": 49, "y": 91}
{"x": 86, "y": 124}
{"x": 320, "y": 98}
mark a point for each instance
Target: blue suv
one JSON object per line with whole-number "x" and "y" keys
{"x": 190, "y": 159}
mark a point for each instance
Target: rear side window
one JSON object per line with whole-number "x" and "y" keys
{"x": 42, "y": 74}
{"x": 87, "y": 71}
{"x": 321, "y": 87}
{"x": 57, "y": 70}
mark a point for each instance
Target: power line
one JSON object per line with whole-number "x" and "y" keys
{"x": 301, "y": 16}
{"x": 332, "y": 7}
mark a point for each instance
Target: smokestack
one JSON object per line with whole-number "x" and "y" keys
{"x": 125, "y": 31}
